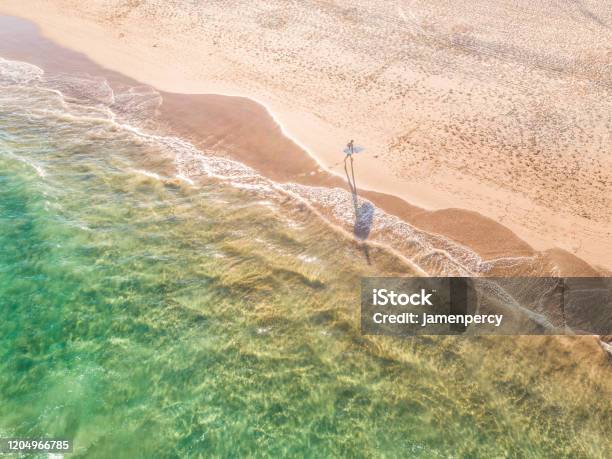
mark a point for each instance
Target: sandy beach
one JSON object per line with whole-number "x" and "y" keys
{"x": 457, "y": 108}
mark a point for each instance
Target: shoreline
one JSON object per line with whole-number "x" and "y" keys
{"x": 267, "y": 141}
{"x": 134, "y": 48}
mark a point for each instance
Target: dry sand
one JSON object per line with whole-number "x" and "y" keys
{"x": 503, "y": 108}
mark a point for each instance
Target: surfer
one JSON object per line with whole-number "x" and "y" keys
{"x": 350, "y": 149}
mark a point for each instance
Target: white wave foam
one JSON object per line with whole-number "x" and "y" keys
{"x": 38, "y": 168}
{"x": 185, "y": 179}
{"x": 82, "y": 89}
{"x": 148, "y": 174}
{"x": 83, "y": 97}
{"x": 307, "y": 258}
{"x": 17, "y": 72}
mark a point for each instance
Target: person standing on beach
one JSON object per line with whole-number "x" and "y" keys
{"x": 350, "y": 149}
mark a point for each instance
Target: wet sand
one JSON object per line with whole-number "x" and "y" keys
{"x": 244, "y": 130}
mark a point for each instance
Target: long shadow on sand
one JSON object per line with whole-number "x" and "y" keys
{"x": 364, "y": 213}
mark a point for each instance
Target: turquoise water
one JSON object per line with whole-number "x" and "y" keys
{"x": 160, "y": 302}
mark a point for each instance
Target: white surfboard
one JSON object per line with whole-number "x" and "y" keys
{"x": 356, "y": 149}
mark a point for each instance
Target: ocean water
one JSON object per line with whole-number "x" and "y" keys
{"x": 160, "y": 301}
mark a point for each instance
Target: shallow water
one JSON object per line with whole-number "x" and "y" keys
{"x": 160, "y": 301}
